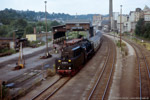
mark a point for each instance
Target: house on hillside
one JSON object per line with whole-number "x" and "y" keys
{"x": 38, "y": 37}
{"x": 146, "y": 11}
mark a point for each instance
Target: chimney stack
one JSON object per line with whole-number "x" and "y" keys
{"x": 110, "y": 14}
{"x": 34, "y": 30}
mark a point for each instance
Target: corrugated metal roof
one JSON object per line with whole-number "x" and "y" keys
{"x": 59, "y": 26}
{"x": 6, "y": 38}
{"x": 78, "y": 21}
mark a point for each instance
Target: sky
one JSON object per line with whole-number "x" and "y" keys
{"x": 74, "y": 7}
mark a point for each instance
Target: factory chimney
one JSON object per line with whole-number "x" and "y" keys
{"x": 110, "y": 14}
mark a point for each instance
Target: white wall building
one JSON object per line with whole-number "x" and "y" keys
{"x": 132, "y": 21}
{"x": 129, "y": 21}
{"x": 97, "y": 20}
{"x": 134, "y": 16}
{"x": 124, "y": 23}
{"x": 115, "y": 17}
{"x": 147, "y": 16}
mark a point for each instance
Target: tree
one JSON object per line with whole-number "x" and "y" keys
{"x": 40, "y": 23}
{"x": 147, "y": 30}
{"x": 3, "y": 30}
{"x": 54, "y": 23}
{"x": 29, "y": 29}
{"x": 140, "y": 27}
{"x": 20, "y": 24}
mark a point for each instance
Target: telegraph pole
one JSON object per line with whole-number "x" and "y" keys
{"x": 46, "y": 29}
{"x": 120, "y": 22}
{"x": 1, "y": 89}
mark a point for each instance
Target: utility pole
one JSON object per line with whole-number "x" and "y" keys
{"x": 46, "y": 29}
{"x": 1, "y": 89}
{"x": 120, "y": 23}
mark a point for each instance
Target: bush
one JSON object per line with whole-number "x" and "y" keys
{"x": 50, "y": 72}
{"x": 7, "y": 50}
{"x": 122, "y": 43}
{"x": 5, "y": 92}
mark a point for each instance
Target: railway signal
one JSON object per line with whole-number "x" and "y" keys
{"x": 21, "y": 61}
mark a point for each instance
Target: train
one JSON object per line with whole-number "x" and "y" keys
{"x": 76, "y": 54}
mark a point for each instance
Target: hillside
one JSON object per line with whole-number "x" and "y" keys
{"x": 7, "y": 15}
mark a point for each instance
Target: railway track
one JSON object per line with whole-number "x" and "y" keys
{"x": 100, "y": 89}
{"x": 143, "y": 70}
{"x": 21, "y": 79}
{"x": 29, "y": 74}
{"x": 27, "y": 80}
{"x": 52, "y": 89}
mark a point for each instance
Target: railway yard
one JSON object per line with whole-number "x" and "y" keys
{"x": 111, "y": 74}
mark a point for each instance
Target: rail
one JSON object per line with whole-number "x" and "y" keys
{"x": 45, "y": 89}
{"x": 47, "y": 93}
{"x": 102, "y": 72}
{"x": 139, "y": 60}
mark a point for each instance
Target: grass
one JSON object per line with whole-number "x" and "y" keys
{"x": 145, "y": 44}
{"x": 124, "y": 48}
{"x": 122, "y": 43}
{"x": 6, "y": 51}
{"x": 36, "y": 43}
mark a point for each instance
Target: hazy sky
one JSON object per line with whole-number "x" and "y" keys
{"x": 74, "y": 6}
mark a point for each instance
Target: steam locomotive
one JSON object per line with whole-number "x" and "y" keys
{"x": 73, "y": 57}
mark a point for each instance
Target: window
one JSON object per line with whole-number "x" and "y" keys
{"x": 77, "y": 52}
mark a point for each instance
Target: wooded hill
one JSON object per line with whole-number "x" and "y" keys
{"x": 7, "y": 15}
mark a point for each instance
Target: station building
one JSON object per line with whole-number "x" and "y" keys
{"x": 38, "y": 37}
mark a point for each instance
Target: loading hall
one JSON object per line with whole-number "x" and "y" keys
{"x": 61, "y": 32}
